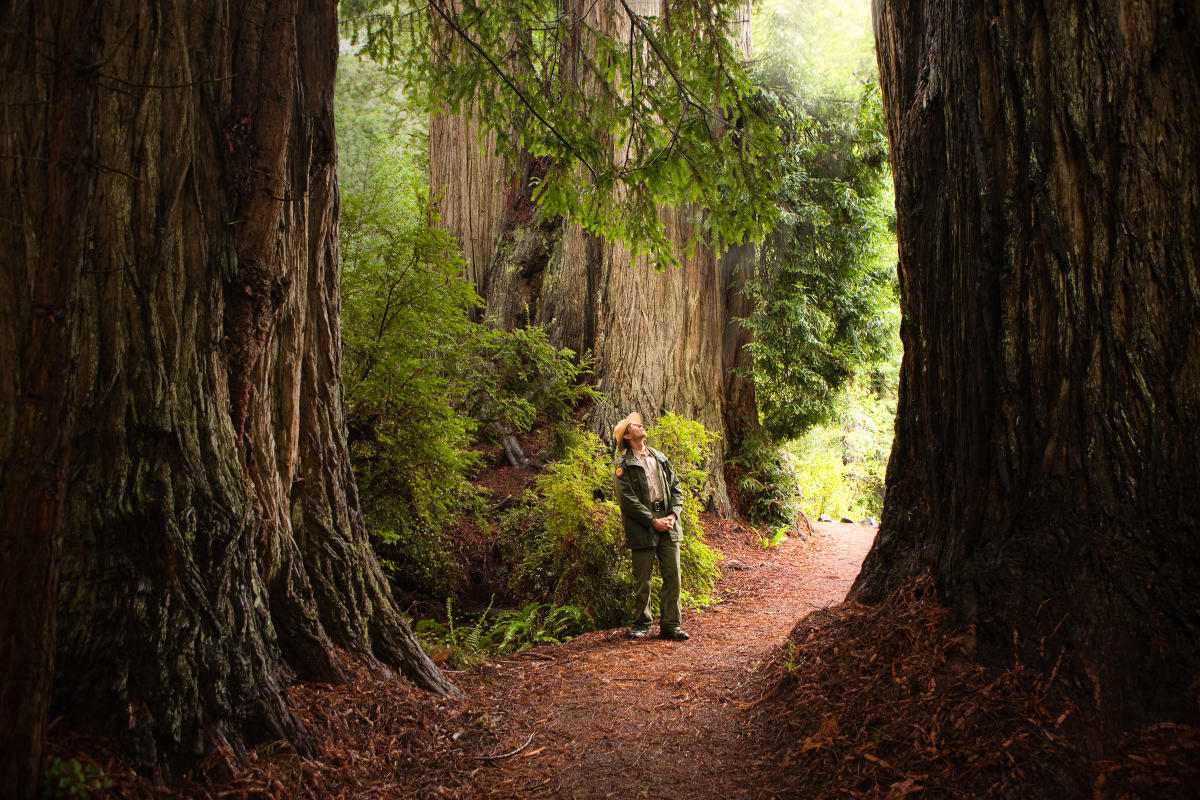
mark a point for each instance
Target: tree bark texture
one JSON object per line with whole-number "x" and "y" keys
{"x": 213, "y": 544}
{"x": 662, "y": 341}
{"x": 53, "y": 158}
{"x": 1048, "y": 434}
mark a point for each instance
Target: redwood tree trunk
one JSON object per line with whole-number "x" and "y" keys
{"x": 214, "y": 549}
{"x": 662, "y": 341}
{"x": 1048, "y": 435}
{"x": 52, "y": 156}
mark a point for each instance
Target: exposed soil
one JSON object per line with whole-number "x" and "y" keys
{"x": 597, "y": 717}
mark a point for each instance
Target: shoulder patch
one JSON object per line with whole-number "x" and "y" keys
{"x": 619, "y": 471}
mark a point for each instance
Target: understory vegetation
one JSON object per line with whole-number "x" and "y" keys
{"x": 826, "y": 317}
{"x": 437, "y": 400}
{"x": 431, "y": 393}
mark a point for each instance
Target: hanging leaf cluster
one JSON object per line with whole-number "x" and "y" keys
{"x": 633, "y": 104}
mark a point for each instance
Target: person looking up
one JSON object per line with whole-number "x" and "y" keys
{"x": 651, "y": 501}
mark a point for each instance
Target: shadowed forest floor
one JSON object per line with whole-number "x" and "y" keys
{"x": 767, "y": 700}
{"x": 597, "y": 717}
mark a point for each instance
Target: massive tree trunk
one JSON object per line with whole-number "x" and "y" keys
{"x": 52, "y": 159}
{"x": 1048, "y": 436}
{"x": 662, "y": 341}
{"x": 213, "y": 544}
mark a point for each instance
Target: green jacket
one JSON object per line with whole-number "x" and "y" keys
{"x": 633, "y": 495}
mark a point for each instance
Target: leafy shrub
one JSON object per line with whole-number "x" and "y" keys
{"x": 70, "y": 778}
{"x": 765, "y": 478}
{"x": 416, "y": 555}
{"x": 422, "y": 379}
{"x": 567, "y": 542}
{"x": 462, "y": 647}
{"x": 825, "y": 280}
{"x": 822, "y": 474}
{"x": 408, "y": 344}
{"x": 686, "y": 444}
{"x": 535, "y": 624}
{"x": 522, "y": 376}
{"x": 841, "y": 467}
{"x": 775, "y": 539}
{"x": 514, "y": 631}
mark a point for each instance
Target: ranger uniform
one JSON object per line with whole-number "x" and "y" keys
{"x": 649, "y": 490}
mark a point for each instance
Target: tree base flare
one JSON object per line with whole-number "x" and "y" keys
{"x": 890, "y": 701}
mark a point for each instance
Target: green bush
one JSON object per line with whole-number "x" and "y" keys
{"x": 567, "y": 542}
{"x": 824, "y": 283}
{"x": 463, "y": 647}
{"x": 468, "y": 646}
{"x": 841, "y": 467}
{"x": 408, "y": 345}
{"x": 535, "y": 624}
{"x": 822, "y": 474}
{"x": 764, "y": 476}
{"x": 686, "y": 444}
{"x": 522, "y": 376}
{"x": 70, "y": 778}
{"x": 422, "y": 379}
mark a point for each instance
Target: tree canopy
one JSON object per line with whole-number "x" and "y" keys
{"x": 631, "y": 111}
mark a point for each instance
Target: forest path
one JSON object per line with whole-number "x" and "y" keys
{"x": 605, "y": 717}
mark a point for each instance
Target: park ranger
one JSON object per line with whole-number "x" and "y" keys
{"x": 651, "y": 501}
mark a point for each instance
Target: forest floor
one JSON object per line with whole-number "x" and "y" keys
{"x": 599, "y": 716}
{"x": 783, "y": 691}
{"x": 605, "y": 717}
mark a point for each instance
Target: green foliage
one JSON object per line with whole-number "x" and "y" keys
{"x": 374, "y": 120}
{"x": 515, "y": 631}
{"x": 462, "y": 647}
{"x": 521, "y": 375}
{"x": 627, "y": 112}
{"x": 408, "y": 345}
{"x": 776, "y": 539}
{"x": 824, "y": 282}
{"x": 422, "y": 379}
{"x": 535, "y": 624}
{"x": 821, "y": 473}
{"x": 567, "y": 543}
{"x": 841, "y": 467}
{"x": 70, "y": 778}
{"x": 765, "y": 479}
{"x": 687, "y": 445}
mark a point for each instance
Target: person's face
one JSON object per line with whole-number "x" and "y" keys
{"x": 635, "y": 432}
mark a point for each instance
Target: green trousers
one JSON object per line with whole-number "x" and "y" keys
{"x": 667, "y": 553}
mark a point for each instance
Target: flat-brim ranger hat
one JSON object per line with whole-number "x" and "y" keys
{"x": 619, "y": 431}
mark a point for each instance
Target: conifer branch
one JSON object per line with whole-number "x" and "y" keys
{"x": 449, "y": 18}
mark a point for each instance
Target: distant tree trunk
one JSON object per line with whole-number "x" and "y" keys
{"x": 213, "y": 545}
{"x": 1048, "y": 435}
{"x": 662, "y": 341}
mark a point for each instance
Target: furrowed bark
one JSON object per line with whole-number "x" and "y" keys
{"x": 48, "y": 90}
{"x": 1048, "y": 434}
{"x": 214, "y": 546}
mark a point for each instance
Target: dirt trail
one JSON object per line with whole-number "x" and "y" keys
{"x": 655, "y": 719}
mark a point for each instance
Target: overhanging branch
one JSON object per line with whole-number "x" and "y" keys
{"x": 525, "y": 101}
